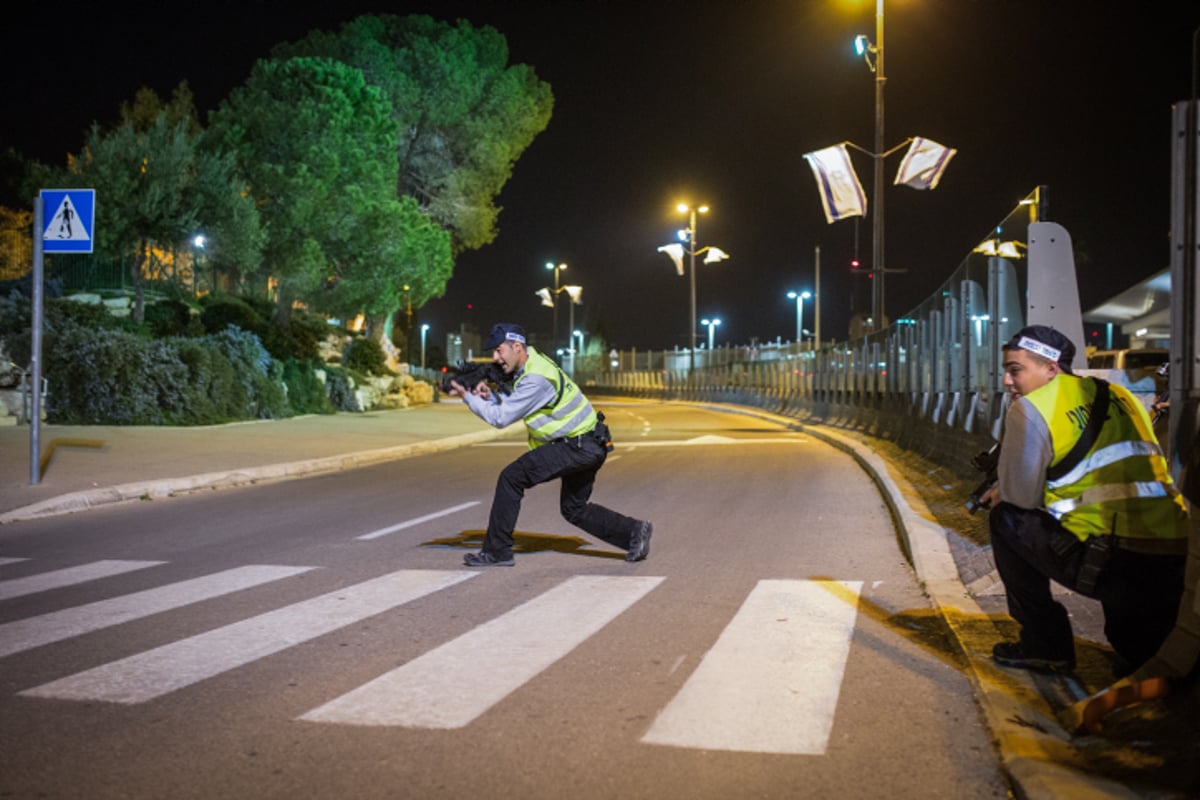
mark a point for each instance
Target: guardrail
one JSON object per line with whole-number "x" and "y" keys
{"x": 932, "y": 381}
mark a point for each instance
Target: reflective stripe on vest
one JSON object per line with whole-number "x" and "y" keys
{"x": 1122, "y": 485}
{"x": 572, "y": 414}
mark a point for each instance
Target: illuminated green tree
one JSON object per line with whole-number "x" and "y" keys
{"x": 462, "y": 114}
{"x": 155, "y": 187}
{"x": 315, "y": 143}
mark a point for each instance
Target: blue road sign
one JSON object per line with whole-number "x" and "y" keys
{"x": 70, "y": 217}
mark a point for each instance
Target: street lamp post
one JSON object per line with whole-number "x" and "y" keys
{"x": 557, "y": 268}
{"x": 197, "y": 247}
{"x": 424, "y": 329}
{"x": 712, "y": 324}
{"x": 675, "y": 251}
{"x": 799, "y": 297}
{"x": 578, "y": 335}
{"x": 866, "y": 49}
{"x": 691, "y": 234}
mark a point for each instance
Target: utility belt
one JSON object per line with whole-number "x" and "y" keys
{"x": 599, "y": 432}
{"x": 1099, "y": 550}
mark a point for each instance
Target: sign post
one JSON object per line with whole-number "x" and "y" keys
{"x": 70, "y": 229}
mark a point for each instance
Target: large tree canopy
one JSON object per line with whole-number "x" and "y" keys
{"x": 314, "y": 141}
{"x": 462, "y": 114}
{"x": 155, "y": 184}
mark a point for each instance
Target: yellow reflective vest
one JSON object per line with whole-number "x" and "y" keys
{"x": 1122, "y": 485}
{"x": 569, "y": 415}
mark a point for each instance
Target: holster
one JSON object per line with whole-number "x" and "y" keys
{"x": 1098, "y": 550}
{"x": 601, "y": 433}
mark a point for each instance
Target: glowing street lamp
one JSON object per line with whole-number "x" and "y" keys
{"x": 550, "y": 298}
{"x": 712, "y": 324}
{"x": 799, "y": 297}
{"x": 424, "y": 329}
{"x": 676, "y": 251}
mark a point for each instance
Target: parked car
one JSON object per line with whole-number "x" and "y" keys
{"x": 1139, "y": 370}
{"x": 1144, "y": 359}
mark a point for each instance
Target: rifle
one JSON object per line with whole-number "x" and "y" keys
{"x": 470, "y": 373}
{"x": 986, "y": 462}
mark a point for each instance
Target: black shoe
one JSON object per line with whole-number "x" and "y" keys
{"x": 639, "y": 543}
{"x": 487, "y": 560}
{"x": 1012, "y": 654}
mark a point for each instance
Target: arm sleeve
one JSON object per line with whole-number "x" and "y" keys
{"x": 532, "y": 393}
{"x": 1025, "y": 453}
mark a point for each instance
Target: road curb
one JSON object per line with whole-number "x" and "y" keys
{"x": 74, "y": 502}
{"x": 1035, "y": 750}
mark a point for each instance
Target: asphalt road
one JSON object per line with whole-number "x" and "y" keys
{"x": 320, "y": 638}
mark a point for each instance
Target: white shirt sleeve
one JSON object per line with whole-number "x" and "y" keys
{"x": 530, "y": 394}
{"x": 1025, "y": 453}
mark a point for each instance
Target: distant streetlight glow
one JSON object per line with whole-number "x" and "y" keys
{"x": 712, "y": 324}
{"x": 799, "y": 297}
{"x": 424, "y": 330}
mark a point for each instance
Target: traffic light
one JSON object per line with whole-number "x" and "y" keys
{"x": 854, "y": 265}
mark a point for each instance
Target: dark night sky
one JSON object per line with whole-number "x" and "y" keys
{"x": 716, "y": 101}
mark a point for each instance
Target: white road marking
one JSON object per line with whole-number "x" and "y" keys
{"x": 164, "y": 669}
{"x": 18, "y": 587}
{"x": 4, "y": 561}
{"x": 401, "y": 526}
{"x": 715, "y": 440}
{"x": 21, "y": 635}
{"x": 452, "y": 685}
{"x": 770, "y": 684}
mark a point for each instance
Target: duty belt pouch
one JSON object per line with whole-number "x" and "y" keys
{"x": 1096, "y": 556}
{"x": 601, "y": 433}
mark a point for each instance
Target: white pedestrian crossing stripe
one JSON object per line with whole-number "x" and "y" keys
{"x": 771, "y": 682}
{"x": 17, "y": 587}
{"x": 165, "y": 669}
{"x": 510, "y": 650}
{"x": 56, "y": 626}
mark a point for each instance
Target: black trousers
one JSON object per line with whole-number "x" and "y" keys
{"x": 1139, "y": 592}
{"x": 576, "y": 461}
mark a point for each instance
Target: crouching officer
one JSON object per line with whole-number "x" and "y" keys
{"x": 1084, "y": 497}
{"x": 568, "y": 440}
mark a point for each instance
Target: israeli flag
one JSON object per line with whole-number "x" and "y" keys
{"x": 841, "y": 193}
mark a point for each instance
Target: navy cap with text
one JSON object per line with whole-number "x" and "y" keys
{"x": 504, "y": 332}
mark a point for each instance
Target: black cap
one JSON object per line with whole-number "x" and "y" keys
{"x": 1046, "y": 342}
{"x": 504, "y": 332}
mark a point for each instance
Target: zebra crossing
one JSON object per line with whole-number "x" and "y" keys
{"x": 769, "y": 683}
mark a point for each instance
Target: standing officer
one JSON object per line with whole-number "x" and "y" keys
{"x": 567, "y": 440}
{"x": 1084, "y": 498}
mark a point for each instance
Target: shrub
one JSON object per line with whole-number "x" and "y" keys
{"x": 223, "y": 312}
{"x": 366, "y": 356}
{"x": 261, "y": 375}
{"x": 341, "y": 390}
{"x": 168, "y": 318}
{"x": 306, "y": 393}
{"x": 298, "y": 339}
{"x": 112, "y": 377}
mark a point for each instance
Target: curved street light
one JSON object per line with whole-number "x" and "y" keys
{"x": 712, "y": 324}
{"x": 675, "y": 251}
{"x": 799, "y": 297}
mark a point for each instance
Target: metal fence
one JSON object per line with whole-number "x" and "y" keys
{"x": 934, "y": 371}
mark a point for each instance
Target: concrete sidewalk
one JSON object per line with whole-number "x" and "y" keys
{"x": 84, "y": 466}
{"x": 87, "y": 466}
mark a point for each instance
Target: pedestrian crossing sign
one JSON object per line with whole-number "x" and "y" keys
{"x": 69, "y": 217}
